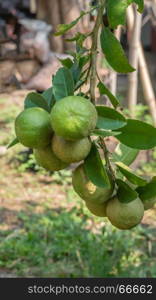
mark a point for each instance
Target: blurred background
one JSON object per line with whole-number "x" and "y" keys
{"x": 45, "y": 229}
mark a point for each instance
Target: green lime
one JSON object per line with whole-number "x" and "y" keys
{"x": 33, "y": 128}
{"x": 98, "y": 210}
{"x": 125, "y": 215}
{"x": 48, "y": 160}
{"x": 73, "y": 117}
{"x": 88, "y": 190}
{"x": 71, "y": 151}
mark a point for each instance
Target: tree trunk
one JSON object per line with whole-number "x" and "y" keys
{"x": 41, "y": 9}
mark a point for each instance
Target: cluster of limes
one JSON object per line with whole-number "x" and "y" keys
{"x": 62, "y": 137}
{"x": 101, "y": 203}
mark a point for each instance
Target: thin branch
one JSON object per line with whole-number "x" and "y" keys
{"x": 94, "y": 50}
{"x": 106, "y": 155}
{"x": 94, "y": 75}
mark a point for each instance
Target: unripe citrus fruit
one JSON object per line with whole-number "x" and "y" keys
{"x": 48, "y": 160}
{"x": 149, "y": 203}
{"x": 87, "y": 190}
{"x": 73, "y": 117}
{"x": 98, "y": 210}
{"x": 33, "y": 128}
{"x": 124, "y": 215}
{"x": 71, "y": 151}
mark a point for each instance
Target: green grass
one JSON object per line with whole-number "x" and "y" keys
{"x": 61, "y": 243}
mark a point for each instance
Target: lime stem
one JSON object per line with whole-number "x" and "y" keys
{"x": 94, "y": 50}
{"x": 106, "y": 155}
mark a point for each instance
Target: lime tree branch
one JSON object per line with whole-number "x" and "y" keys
{"x": 94, "y": 49}
{"x": 106, "y": 155}
{"x": 93, "y": 75}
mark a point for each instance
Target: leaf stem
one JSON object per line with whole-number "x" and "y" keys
{"x": 106, "y": 155}
{"x": 94, "y": 49}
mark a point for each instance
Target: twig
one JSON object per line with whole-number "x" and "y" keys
{"x": 94, "y": 75}
{"x": 94, "y": 50}
{"x": 106, "y": 155}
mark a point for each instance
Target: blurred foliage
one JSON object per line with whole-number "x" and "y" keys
{"x": 148, "y": 168}
{"x": 141, "y": 113}
{"x": 61, "y": 243}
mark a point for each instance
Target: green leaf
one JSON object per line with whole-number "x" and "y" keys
{"x": 147, "y": 191}
{"x": 104, "y": 133}
{"x": 63, "y": 28}
{"x": 109, "y": 118}
{"x": 76, "y": 72}
{"x": 138, "y": 135}
{"x": 78, "y": 37}
{"x": 84, "y": 60}
{"x": 63, "y": 84}
{"x": 114, "y": 52}
{"x": 35, "y": 100}
{"x": 13, "y": 143}
{"x": 49, "y": 97}
{"x": 125, "y": 193}
{"x": 79, "y": 43}
{"x": 104, "y": 91}
{"x": 95, "y": 170}
{"x": 67, "y": 62}
{"x": 76, "y": 68}
{"x": 128, "y": 173}
{"x": 125, "y": 154}
{"x": 140, "y": 4}
{"x": 116, "y": 11}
